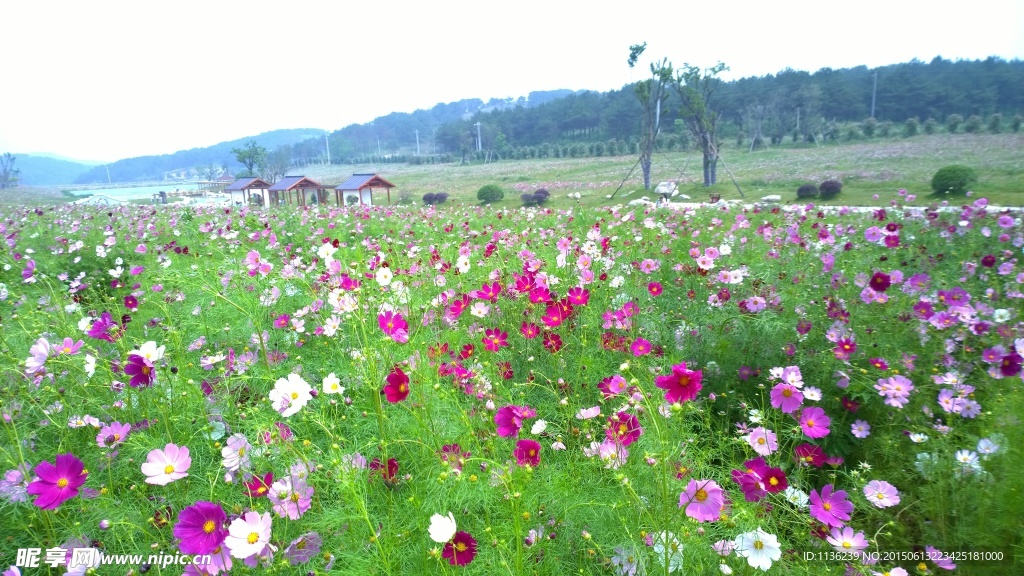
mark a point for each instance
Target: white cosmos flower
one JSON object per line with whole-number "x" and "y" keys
{"x": 539, "y": 427}
{"x": 384, "y": 276}
{"x": 759, "y": 548}
{"x": 290, "y": 395}
{"x": 442, "y": 528}
{"x": 151, "y": 352}
{"x": 332, "y": 385}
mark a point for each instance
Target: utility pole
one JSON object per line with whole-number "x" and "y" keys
{"x": 378, "y": 147}
{"x": 874, "y": 88}
{"x": 327, "y": 142}
{"x": 417, "y": 142}
{"x": 479, "y": 144}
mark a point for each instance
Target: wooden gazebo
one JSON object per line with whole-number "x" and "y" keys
{"x": 298, "y": 184}
{"x": 244, "y": 185}
{"x": 359, "y": 189}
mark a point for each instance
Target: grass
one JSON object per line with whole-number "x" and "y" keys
{"x": 866, "y": 168}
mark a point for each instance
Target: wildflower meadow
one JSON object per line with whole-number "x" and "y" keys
{"x": 468, "y": 390}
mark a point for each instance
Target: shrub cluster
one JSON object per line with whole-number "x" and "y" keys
{"x": 537, "y": 198}
{"x": 807, "y": 191}
{"x": 434, "y": 199}
{"x": 953, "y": 180}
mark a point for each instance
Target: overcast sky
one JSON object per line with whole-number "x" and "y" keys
{"x": 106, "y": 80}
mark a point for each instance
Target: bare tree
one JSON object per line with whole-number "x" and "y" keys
{"x": 696, "y": 89}
{"x": 651, "y": 93}
{"x": 8, "y": 173}
{"x": 754, "y": 117}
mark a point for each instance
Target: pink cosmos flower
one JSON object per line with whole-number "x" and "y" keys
{"x": 814, "y": 422}
{"x": 655, "y": 289}
{"x": 112, "y": 434}
{"x": 612, "y": 386}
{"x": 623, "y": 428}
{"x": 846, "y": 540}
{"x": 787, "y": 397}
{"x": 495, "y": 339}
{"x": 830, "y": 507}
{"x": 394, "y": 326}
{"x": 703, "y": 500}
{"x": 940, "y": 559}
{"x": 56, "y": 483}
{"x": 681, "y": 385}
{"x": 530, "y": 330}
{"x": 509, "y": 419}
{"x": 881, "y": 494}
{"x": 165, "y": 466}
{"x": 763, "y": 441}
{"x": 527, "y": 452}
{"x": 68, "y": 346}
{"x": 578, "y": 296}
{"x": 291, "y": 497}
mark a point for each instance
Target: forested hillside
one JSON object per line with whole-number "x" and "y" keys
{"x": 789, "y": 104}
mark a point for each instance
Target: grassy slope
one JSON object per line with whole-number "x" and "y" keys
{"x": 866, "y": 168}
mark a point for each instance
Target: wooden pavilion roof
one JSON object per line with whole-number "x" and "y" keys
{"x": 247, "y": 184}
{"x": 295, "y": 183}
{"x": 361, "y": 181}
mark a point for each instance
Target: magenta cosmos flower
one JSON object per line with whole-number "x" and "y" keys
{"x": 394, "y": 326}
{"x": 787, "y": 397}
{"x": 460, "y": 550}
{"x": 165, "y": 466}
{"x": 397, "y": 387}
{"x": 495, "y": 339}
{"x": 57, "y": 482}
{"x": 830, "y": 507}
{"x": 623, "y": 428}
{"x": 113, "y": 434}
{"x": 527, "y": 452}
{"x": 681, "y": 385}
{"x": 814, "y": 422}
{"x": 640, "y": 347}
{"x": 703, "y": 500}
{"x": 200, "y": 528}
{"x": 140, "y": 369}
{"x": 509, "y": 419}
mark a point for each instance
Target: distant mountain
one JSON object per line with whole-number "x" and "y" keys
{"x": 39, "y": 170}
{"x": 185, "y": 164}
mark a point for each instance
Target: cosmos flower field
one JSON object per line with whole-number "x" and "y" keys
{"x": 618, "y": 390}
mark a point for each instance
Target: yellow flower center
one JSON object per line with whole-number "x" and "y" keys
{"x": 241, "y": 452}
{"x": 773, "y": 481}
{"x": 701, "y": 495}
{"x": 623, "y": 428}
{"x": 846, "y": 544}
{"x": 826, "y": 506}
{"x": 402, "y": 388}
{"x": 168, "y": 469}
{"x": 758, "y": 545}
{"x": 295, "y": 395}
{"x": 295, "y": 497}
{"x": 461, "y": 547}
{"x": 532, "y": 452}
{"x": 810, "y": 423}
{"x": 880, "y": 496}
{"x": 760, "y": 441}
{"x": 209, "y": 526}
{"x": 252, "y": 538}
{"x": 684, "y": 380}
{"x": 62, "y": 483}
{"x": 787, "y": 392}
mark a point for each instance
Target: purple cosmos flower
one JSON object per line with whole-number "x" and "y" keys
{"x": 105, "y": 328}
{"x": 303, "y": 548}
{"x": 509, "y": 419}
{"x": 814, "y": 422}
{"x": 200, "y": 528}
{"x": 112, "y": 434}
{"x": 830, "y": 507}
{"x": 141, "y": 370}
{"x": 786, "y": 397}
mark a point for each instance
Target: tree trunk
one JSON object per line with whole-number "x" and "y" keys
{"x": 645, "y": 166}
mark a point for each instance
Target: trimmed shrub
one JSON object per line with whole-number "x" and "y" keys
{"x": 807, "y": 191}
{"x": 541, "y": 195}
{"x": 868, "y": 127}
{"x": 884, "y": 128}
{"x": 528, "y": 199}
{"x": 953, "y": 180}
{"x": 930, "y": 126}
{"x": 1015, "y": 123}
{"x": 953, "y": 122}
{"x": 830, "y": 189}
{"x": 995, "y": 123}
{"x": 490, "y": 193}
{"x": 911, "y": 127}
{"x": 973, "y": 124}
